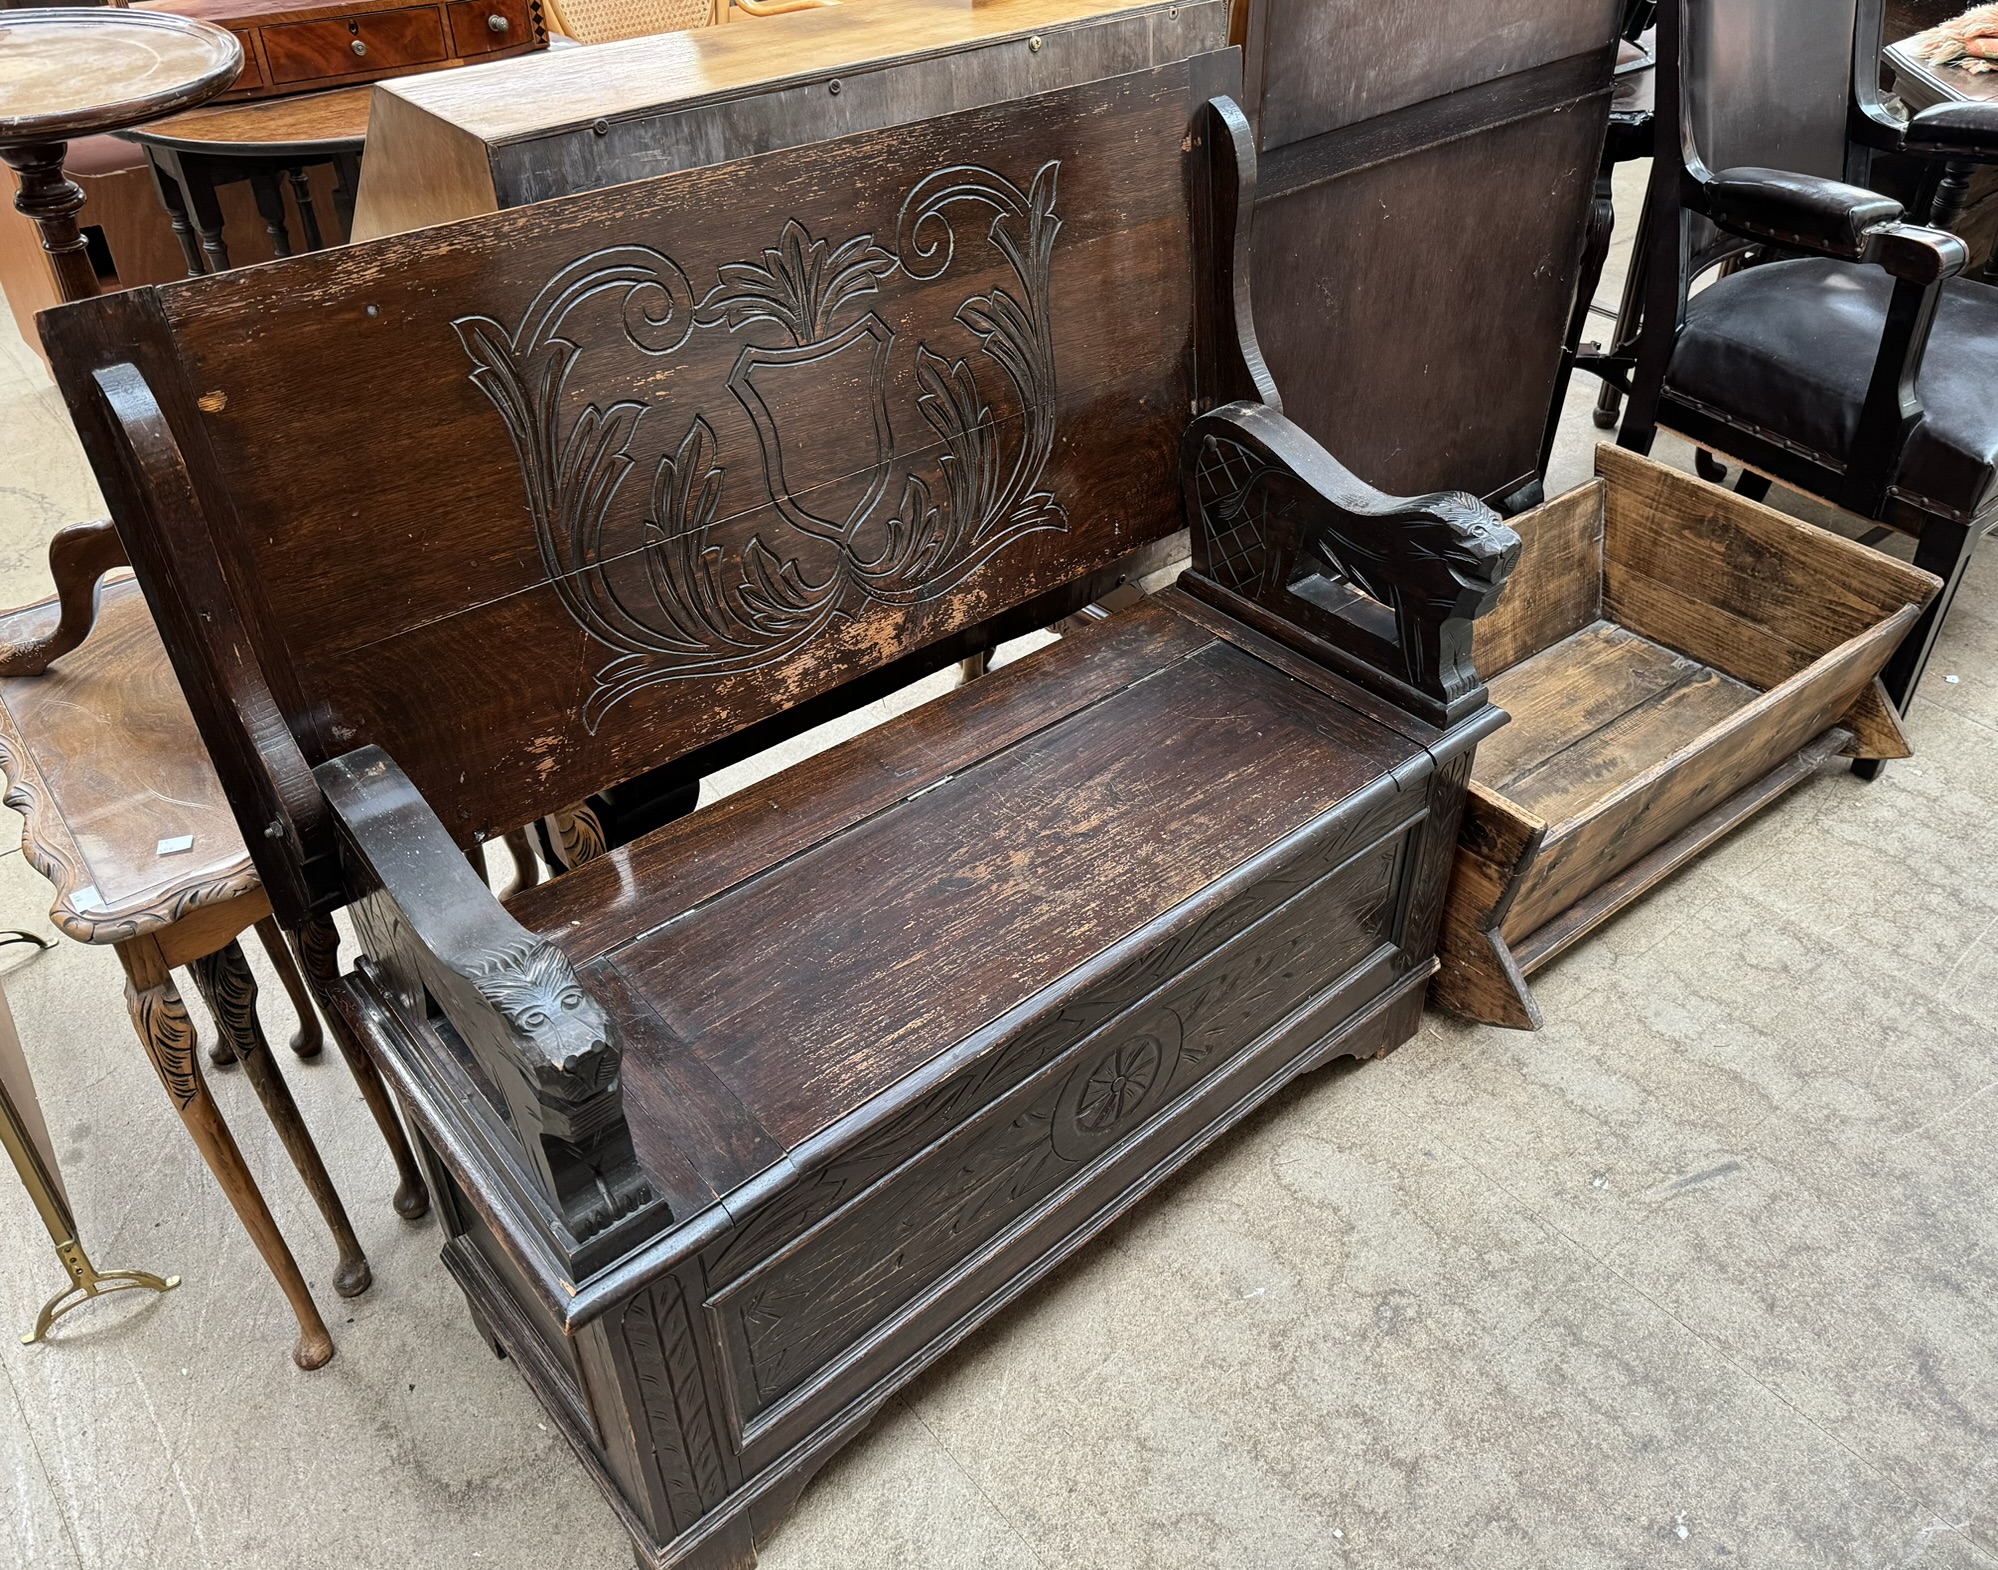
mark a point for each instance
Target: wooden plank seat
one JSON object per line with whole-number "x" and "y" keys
{"x": 736, "y": 1127}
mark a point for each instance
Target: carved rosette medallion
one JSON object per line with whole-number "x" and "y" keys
{"x": 862, "y": 515}
{"x": 1115, "y": 1090}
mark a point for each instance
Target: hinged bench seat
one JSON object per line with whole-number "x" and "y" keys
{"x": 992, "y": 968}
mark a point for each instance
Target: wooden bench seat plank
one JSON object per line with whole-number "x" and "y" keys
{"x": 838, "y": 972}
{"x": 595, "y": 907}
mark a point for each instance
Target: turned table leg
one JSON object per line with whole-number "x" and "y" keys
{"x": 161, "y": 1019}
{"x": 53, "y": 200}
{"x": 231, "y": 994}
{"x": 307, "y": 1040}
{"x": 319, "y": 949}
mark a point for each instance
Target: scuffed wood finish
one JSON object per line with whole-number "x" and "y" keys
{"x": 408, "y": 420}
{"x": 1384, "y": 123}
{"x": 448, "y": 147}
{"x": 1735, "y": 650}
{"x": 1327, "y": 66}
{"x": 736, "y": 1127}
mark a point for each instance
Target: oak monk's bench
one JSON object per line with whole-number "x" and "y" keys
{"x": 736, "y": 1128}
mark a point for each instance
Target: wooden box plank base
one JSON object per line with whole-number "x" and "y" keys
{"x": 1674, "y": 659}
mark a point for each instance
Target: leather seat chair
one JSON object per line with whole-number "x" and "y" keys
{"x": 1837, "y": 352}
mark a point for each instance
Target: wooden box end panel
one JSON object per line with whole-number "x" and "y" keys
{"x": 971, "y": 1166}
{"x": 1557, "y": 587}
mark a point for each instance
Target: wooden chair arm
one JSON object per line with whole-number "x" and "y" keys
{"x": 79, "y": 557}
{"x": 549, "y": 1046}
{"x": 1391, "y": 584}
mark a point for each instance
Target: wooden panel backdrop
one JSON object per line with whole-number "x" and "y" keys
{"x": 1427, "y": 173}
{"x": 688, "y": 473}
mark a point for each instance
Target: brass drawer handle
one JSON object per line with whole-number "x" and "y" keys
{"x": 498, "y": 24}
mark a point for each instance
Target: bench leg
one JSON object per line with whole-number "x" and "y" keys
{"x": 168, "y": 1035}
{"x": 307, "y": 1041}
{"x": 231, "y": 994}
{"x": 319, "y": 949}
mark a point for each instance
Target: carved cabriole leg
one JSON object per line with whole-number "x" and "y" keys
{"x": 319, "y": 951}
{"x": 576, "y": 835}
{"x": 161, "y": 1019}
{"x": 526, "y": 866}
{"x": 53, "y": 200}
{"x": 231, "y": 994}
{"x": 308, "y": 1039}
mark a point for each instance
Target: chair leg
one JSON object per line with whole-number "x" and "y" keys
{"x": 231, "y": 994}
{"x": 308, "y": 1039}
{"x": 161, "y": 1019}
{"x": 1710, "y": 468}
{"x": 1752, "y": 485}
{"x": 319, "y": 949}
{"x": 1595, "y": 252}
{"x": 1943, "y": 549}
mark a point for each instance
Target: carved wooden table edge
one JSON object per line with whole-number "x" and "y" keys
{"x": 48, "y": 847}
{"x": 197, "y": 925}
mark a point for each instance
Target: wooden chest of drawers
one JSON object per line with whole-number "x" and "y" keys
{"x": 290, "y": 46}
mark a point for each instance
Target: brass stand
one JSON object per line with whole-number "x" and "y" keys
{"x": 86, "y": 1280}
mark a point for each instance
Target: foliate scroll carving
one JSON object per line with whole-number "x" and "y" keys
{"x": 1395, "y": 581}
{"x": 868, "y": 513}
{"x": 658, "y": 1334}
{"x": 162, "y": 1022}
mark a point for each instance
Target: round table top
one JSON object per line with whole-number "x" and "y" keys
{"x": 67, "y": 72}
{"x": 334, "y": 121}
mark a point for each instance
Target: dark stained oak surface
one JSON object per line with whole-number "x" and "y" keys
{"x": 324, "y": 479}
{"x": 874, "y": 951}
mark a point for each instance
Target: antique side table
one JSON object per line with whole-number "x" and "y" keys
{"x": 264, "y": 142}
{"x": 125, "y": 816}
{"x": 70, "y": 72}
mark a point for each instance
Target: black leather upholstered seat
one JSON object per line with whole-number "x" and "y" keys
{"x": 1789, "y": 347}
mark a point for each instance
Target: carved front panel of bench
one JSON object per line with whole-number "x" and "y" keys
{"x": 929, "y": 1196}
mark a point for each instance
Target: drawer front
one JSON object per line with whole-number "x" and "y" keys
{"x": 785, "y": 1321}
{"x": 480, "y": 26}
{"x": 251, "y": 76}
{"x": 388, "y": 40}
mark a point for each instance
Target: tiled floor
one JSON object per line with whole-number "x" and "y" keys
{"x": 1704, "y": 1273}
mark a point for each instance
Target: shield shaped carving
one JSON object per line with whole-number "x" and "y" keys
{"x": 821, "y": 417}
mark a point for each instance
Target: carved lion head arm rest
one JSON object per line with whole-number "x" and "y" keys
{"x": 515, "y": 1000}
{"x": 1383, "y": 588}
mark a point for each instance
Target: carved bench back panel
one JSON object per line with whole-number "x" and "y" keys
{"x": 580, "y": 487}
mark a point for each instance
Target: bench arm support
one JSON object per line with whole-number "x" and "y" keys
{"x": 513, "y": 998}
{"x": 1388, "y": 585}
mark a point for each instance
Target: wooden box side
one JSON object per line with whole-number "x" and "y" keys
{"x": 1756, "y": 594}
{"x": 1584, "y": 852}
{"x": 1556, "y": 590}
{"x": 1497, "y": 845}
